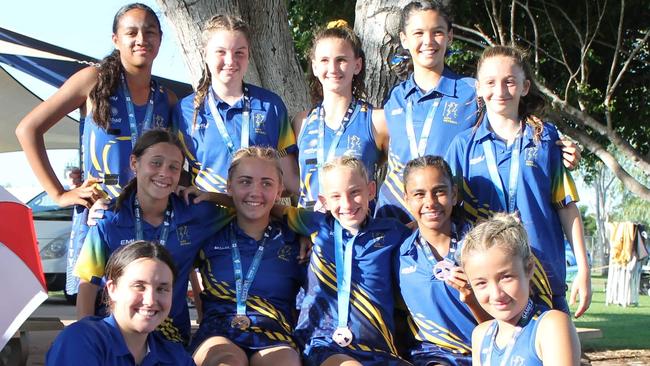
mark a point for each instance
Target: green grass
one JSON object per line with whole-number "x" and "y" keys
{"x": 623, "y": 328}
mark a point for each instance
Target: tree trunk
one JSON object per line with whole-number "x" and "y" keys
{"x": 273, "y": 64}
{"x": 377, "y": 25}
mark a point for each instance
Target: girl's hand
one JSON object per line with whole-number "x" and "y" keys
{"x": 97, "y": 211}
{"x": 581, "y": 286}
{"x": 84, "y": 195}
{"x": 571, "y": 153}
{"x": 458, "y": 280}
{"x": 186, "y": 192}
{"x": 305, "y": 249}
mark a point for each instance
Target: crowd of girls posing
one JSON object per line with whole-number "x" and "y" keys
{"x": 365, "y": 265}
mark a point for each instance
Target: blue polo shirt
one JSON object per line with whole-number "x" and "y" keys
{"x": 190, "y": 227}
{"x": 205, "y": 149}
{"x": 371, "y": 299}
{"x": 357, "y": 140}
{"x": 95, "y": 341}
{"x": 107, "y": 151}
{"x": 543, "y": 186}
{"x": 271, "y": 297}
{"x": 441, "y": 324}
{"x": 456, "y": 112}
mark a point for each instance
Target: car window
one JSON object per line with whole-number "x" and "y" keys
{"x": 44, "y": 208}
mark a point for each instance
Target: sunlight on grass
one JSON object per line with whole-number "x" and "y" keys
{"x": 623, "y": 328}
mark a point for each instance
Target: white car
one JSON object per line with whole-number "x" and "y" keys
{"x": 53, "y": 225}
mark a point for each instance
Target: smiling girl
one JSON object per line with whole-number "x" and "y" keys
{"x": 118, "y": 101}
{"x": 140, "y": 277}
{"x": 148, "y": 209}
{"x": 341, "y": 122}
{"x": 226, "y": 114}
{"x": 509, "y": 162}
{"x": 250, "y": 272}
{"x": 499, "y": 264}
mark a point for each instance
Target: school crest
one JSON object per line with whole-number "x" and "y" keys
{"x": 377, "y": 240}
{"x": 183, "y": 233}
{"x": 450, "y": 113}
{"x": 258, "y": 120}
{"x": 354, "y": 145}
{"x": 531, "y": 156}
{"x": 158, "y": 121}
{"x": 284, "y": 253}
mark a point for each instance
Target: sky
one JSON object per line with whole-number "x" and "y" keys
{"x": 80, "y": 26}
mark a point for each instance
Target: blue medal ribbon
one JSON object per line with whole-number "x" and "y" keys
{"x": 242, "y": 286}
{"x": 418, "y": 149}
{"x": 446, "y": 263}
{"x": 494, "y": 329}
{"x": 490, "y": 160}
{"x": 221, "y": 126}
{"x": 343, "y": 260}
{"x": 350, "y": 114}
{"x": 139, "y": 232}
{"x": 148, "y": 116}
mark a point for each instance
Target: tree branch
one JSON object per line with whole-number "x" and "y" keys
{"x": 535, "y": 32}
{"x": 629, "y": 182}
{"x": 512, "y": 22}
{"x": 479, "y": 33}
{"x": 626, "y": 65}
{"x": 583, "y": 118}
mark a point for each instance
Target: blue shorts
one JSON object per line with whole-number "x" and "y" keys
{"x": 249, "y": 340}
{"x": 320, "y": 350}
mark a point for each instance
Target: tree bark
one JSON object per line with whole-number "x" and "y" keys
{"x": 273, "y": 64}
{"x": 377, "y": 25}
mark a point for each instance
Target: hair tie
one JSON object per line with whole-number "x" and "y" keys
{"x": 398, "y": 59}
{"x": 340, "y": 23}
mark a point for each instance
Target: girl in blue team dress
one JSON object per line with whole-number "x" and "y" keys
{"x": 509, "y": 162}
{"x": 341, "y": 121}
{"x": 226, "y": 114}
{"x": 140, "y": 277}
{"x": 443, "y": 309}
{"x": 148, "y": 209}
{"x": 250, "y": 272}
{"x": 499, "y": 264}
{"x": 106, "y": 96}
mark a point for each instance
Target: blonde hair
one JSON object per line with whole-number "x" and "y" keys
{"x": 216, "y": 23}
{"x": 502, "y": 230}
{"x": 349, "y": 162}
{"x": 258, "y": 152}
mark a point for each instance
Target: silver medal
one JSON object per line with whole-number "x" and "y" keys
{"x": 342, "y": 336}
{"x": 442, "y": 269}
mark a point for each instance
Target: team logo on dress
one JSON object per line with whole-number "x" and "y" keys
{"x": 531, "y": 156}
{"x": 377, "y": 240}
{"x": 284, "y": 253}
{"x": 396, "y": 111}
{"x": 258, "y": 120}
{"x": 183, "y": 233}
{"x": 450, "y": 113}
{"x": 158, "y": 121}
{"x": 517, "y": 361}
{"x": 476, "y": 160}
{"x": 114, "y": 111}
{"x": 354, "y": 145}
{"x": 126, "y": 241}
{"x": 409, "y": 269}
{"x": 113, "y": 98}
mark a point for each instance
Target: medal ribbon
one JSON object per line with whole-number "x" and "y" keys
{"x": 139, "y": 233}
{"x": 525, "y": 318}
{"x": 428, "y": 253}
{"x": 343, "y": 260}
{"x": 148, "y": 116}
{"x": 221, "y": 126}
{"x": 418, "y": 149}
{"x": 490, "y": 160}
{"x": 350, "y": 114}
{"x": 242, "y": 286}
